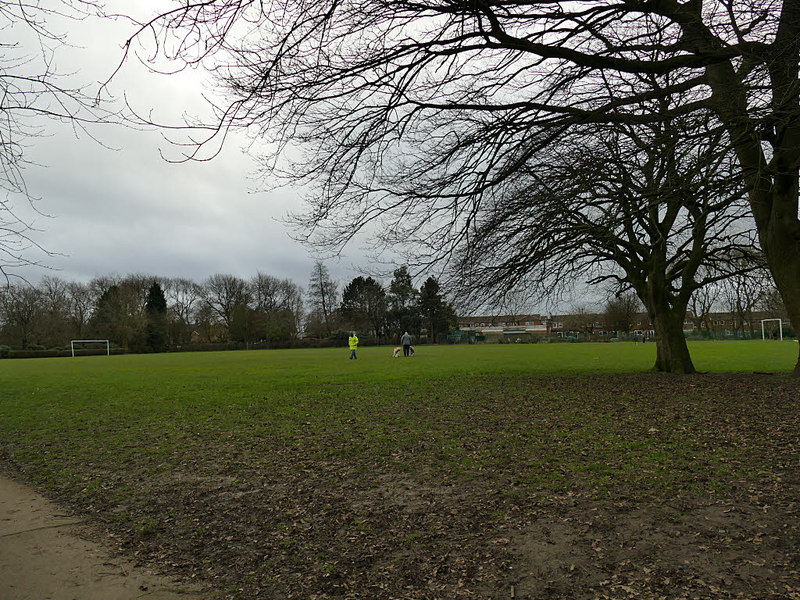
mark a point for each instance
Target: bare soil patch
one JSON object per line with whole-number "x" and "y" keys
{"x": 47, "y": 554}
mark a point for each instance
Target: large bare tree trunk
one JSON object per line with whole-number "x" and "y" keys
{"x": 774, "y": 203}
{"x": 780, "y": 239}
{"x": 667, "y": 313}
{"x": 672, "y": 351}
{"x": 787, "y": 278}
{"x": 773, "y": 181}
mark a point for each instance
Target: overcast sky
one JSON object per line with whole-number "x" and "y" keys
{"x": 124, "y": 209}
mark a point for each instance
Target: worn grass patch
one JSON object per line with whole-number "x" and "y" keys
{"x": 461, "y": 472}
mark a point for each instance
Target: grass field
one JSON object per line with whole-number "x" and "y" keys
{"x": 564, "y": 470}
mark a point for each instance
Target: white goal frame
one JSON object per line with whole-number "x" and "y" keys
{"x": 780, "y": 327}
{"x": 73, "y": 342}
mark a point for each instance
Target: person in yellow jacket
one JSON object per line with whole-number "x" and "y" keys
{"x": 353, "y": 342}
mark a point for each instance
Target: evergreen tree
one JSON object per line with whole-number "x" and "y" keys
{"x": 364, "y": 305}
{"x": 402, "y": 293}
{"x": 402, "y": 301}
{"x": 120, "y": 315}
{"x": 436, "y": 314}
{"x": 156, "y": 311}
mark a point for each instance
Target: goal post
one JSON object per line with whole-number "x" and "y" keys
{"x": 763, "y": 329}
{"x": 73, "y": 342}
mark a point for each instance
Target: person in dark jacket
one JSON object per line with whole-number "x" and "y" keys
{"x": 405, "y": 342}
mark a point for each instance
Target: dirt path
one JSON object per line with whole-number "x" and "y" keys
{"x": 43, "y": 556}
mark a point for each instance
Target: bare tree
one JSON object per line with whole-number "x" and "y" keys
{"x": 323, "y": 295}
{"x": 653, "y": 208}
{"x": 743, "y": 294}
{"x": 582, "y": 319}
{"x": 20, "y": 307}
{"x": 98, "y": 285}
{"x": 35, "y": 94}
{"x": 81, "y": 301}
{"x": 620, "y": 312}
{"x": 281, "y": 302}
{"x": 291, "y": 301}
{"x": 183, "y": 299}
{"x": 53, "y": 324}
{"x": 266, "y": 292}
{"x": 413, "y": 112}
{"x": 772, "y": 303}
{"x": 702, "y": 303}
{"x": 514, "y": 304}
{"x": 223, "y": 293}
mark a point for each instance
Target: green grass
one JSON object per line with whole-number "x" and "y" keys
{"x": 222, "y": 387}
{"x": 148, "y": 412}
{"x": 243, "y": 372}
{"x": 177, "y": 450}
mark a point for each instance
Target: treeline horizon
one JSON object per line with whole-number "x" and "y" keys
{"x": 149, "y": 313}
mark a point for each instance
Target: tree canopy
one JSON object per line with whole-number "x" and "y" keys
{"x": 412, "y": 117}
{"x": 653, "y": 207}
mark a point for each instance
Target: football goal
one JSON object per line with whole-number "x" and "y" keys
{"x": 765, "y": 335}
{"x": 73, "y": 342}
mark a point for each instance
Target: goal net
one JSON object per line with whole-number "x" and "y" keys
{"x": 81, "y": 342}
{"x": 768, "y": 333}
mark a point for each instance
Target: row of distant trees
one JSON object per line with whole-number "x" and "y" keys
{"x": 147, "y": 313}
{"x": 369, "y": 307}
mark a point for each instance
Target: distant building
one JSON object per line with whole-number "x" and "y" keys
{"x": 505, "y": 325}
{"x": 511, "y": 326}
